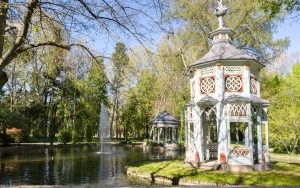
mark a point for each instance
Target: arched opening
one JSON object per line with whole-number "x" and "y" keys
{"x": 210, "y": 133}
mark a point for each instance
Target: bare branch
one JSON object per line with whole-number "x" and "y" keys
{"x": 22, "y": 34}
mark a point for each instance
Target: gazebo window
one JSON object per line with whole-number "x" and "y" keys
{"x": 239, "y": 141}
{"x": 237, "y": 134}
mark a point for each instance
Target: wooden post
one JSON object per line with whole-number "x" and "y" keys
{"x": 267, "y": 156}
{"x": 259, "y": 136}
{"x": 250, "y": 134}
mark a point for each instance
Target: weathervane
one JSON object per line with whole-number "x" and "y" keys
{"x": 220, "y": 12}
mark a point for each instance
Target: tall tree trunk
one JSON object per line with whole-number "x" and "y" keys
{"x": 3, "y": 17}
{"x": 74, "y": 131}
{"x": 117, "y": 115}
{"x": 13, "y": 87}
{"x": 112, "y": 122}
{"x": 52, "y": 124}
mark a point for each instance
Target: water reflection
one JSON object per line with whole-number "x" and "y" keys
{"x": 72, "y": 166}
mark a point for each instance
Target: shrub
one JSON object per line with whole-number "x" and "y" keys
{"x": 64, "y": 136}
{"x": 15, "y": 134}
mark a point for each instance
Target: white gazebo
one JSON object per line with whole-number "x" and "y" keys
{"x": 226, "y": 118}
{"x": 165, "y": 130}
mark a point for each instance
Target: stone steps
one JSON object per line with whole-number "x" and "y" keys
{"x": 210, "y": 165}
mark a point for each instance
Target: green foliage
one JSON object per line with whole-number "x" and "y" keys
{"x": 284, "y": 112}
{"x": 253, "y": 28}
{"x": 275, "y": 7}
{"x": 138, "y": 112}
{"x": 64, "y": 136}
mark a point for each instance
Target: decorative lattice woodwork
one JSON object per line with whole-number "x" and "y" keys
{"x": 210, "y": 112}
{"x": 207, "y": 85}
{"x": 233, "y": 69}
{"x": 253, "y": 85}
{"x": 238, "y": 109}
{"x": 240, "y": 151}
{"x": 233, "y": 83}
{"x": 207, "y": 71}
{"x": 213, "y": 147}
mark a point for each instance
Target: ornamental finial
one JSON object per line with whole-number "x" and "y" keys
{"x": 220, "y": 12}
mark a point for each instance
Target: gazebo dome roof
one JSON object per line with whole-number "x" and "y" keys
{"x": 165, "y": 118}
{"x": 223, "y": 50}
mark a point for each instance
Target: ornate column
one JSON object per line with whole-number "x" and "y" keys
{"x": 205, "y": 140}
{"x": 246, "y": 80}
{"x": 246, "y": 135}
{"x": 228, "y": 137}
{"x": 186, "y": 129}
{"x": 267, "y": 156}
{"x": 166, "y": 135}
{"x": 153, "y": 135}
{"x": 198, "y": 132}
{"x": 158, "y": 134}
{"x": 259, "y": 136}
{"x": 250, "y": 134}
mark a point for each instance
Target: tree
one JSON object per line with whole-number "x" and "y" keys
{"x": 283, "y": 93}
{"x": 253, "y": 28}
{"x": 275, "y": 7}
{"x": 138, "y": 111}
{"x": 20, "y": 19}
{"x": 120, "y": 60}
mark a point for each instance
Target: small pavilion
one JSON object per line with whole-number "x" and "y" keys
{"x": 165, "y": 129}
{"x": 225, "y": 119}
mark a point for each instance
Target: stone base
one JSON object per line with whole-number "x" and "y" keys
{"x": 193, "y": 164}
{"x": 245, "y": 168}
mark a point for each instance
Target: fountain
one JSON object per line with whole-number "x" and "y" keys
{"x": 103, "y": 124}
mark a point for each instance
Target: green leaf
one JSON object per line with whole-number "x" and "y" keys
{"x": 35, "y": 29}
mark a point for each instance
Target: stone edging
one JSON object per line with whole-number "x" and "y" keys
{"x": 160, "y": 179}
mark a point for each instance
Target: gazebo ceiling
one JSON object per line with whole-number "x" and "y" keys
{"x": 165, "y": 119}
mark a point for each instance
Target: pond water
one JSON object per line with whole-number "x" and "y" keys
{"x": 82, "y": 165}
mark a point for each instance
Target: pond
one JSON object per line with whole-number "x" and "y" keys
{"x": 81, "y": 165}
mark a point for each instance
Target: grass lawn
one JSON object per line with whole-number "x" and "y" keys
{"x": 282, "y": 174}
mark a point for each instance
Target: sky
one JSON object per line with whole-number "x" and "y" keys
{"x": 290, "y": 28}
